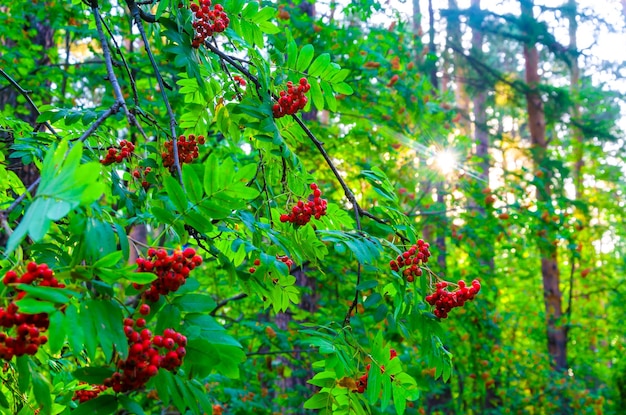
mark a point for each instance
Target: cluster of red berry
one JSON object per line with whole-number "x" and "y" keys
{"x": 411, "y": 260}
{"x": 361, "y": 384}
{"x": 140, "y": 174}
{"x": 292, "y": 99}
{"x": 28, "y": 327}
{"x": 285, "y": 260}
{"x": 282, "y": 258}
{"x": 144, "y": 359}
{"x": 171, "y": 270}
{"x": 239, "y": 80}
{"x": 187, "y": 150}
{"x": 444, "y": 300}
{"x": 301, "y": 213}
{"x": 85, "y": 395}
{"x": 207, "y": 21}
{"x": 115, "y": 155}
{"x": 257, "y": 262}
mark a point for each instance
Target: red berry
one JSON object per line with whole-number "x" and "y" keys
{"x": 144, "y": 310}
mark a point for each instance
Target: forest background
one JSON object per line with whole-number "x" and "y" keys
{"x": 428, "y": 220}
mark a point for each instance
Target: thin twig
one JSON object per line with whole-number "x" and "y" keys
{"x": 236, "y": 64}
{"x": 113, "y": 110}
{"x": 134, "y": 10}
{"x": 226, "y": 301}
{"x": 130, "y": 75}
{"x": 24, "y": 93}
{"x": 280, "y": 352}
{"x": 117, "y": 90}
{"x": 21, "y": 197}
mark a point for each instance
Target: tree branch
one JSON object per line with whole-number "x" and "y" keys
{"x": 117, "y": 90}
{"x": 222, "y": 303}
{"x": 113, "y": 110}
{"x": 135, "y": 12}
{"x": 131, "y": 79}
{"x": 280, "y": 352}
{"x": 24, "y": 93}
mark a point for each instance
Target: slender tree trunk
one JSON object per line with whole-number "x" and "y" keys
{"x": 557, "y": 345}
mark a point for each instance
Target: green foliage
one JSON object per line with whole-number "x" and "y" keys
{"x": 282, "y": 316}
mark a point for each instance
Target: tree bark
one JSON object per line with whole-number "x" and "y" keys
{"x": 556, "y": 331}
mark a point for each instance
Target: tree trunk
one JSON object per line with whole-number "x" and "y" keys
{"x": 556, "y": 331}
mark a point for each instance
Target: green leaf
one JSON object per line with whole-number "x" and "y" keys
{"x": 110, "y": 260}
{"x": 41, "y": 390}
{"x": 343, "y": 88}
{"x": 32, "y": 306}
{"x": 399, "y": 398}
{"x": 305, "y": 57}
{"x": 292, "y": 51}
{"x": 108, "y": 323}
{"x": 56, "y": 336}
{"x": 266, "y": 13}
{"x": 55, "y": 295}
{"x": 195, "y": 303}
{"x": 161, "y": 9}
{"x": 93, "y": 375}
{"x": 340, "y": 76}
{"x": 319, "y": 65}
{"x": 130, "y": 405}
{"x": 316, "y": 94}
{"x": 102, "y": 405}
{"x": 193, "y": 185}
{"x": 367, "y": 285}
{"x": 163, "y": 215}
{"x": 141, "y": 278}
{"x": 87, "y": 316}
{"x": 176, "y": 193}
{"x": 3, "y": 400}
{"x": 386, "y": 395}
{"x": 250, "y": 10}
{"x": 23, "y": 373}
{"x": 373, "y": 384}
{"x": 71, "y": 326}
{"x": 329, "y": 96}
{"x": 318, "y": 401}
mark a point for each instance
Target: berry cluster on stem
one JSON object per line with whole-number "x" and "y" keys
{"x": 292, "y": 100}
{"x": 444, "y": 300}
{"x": 140, "y": 174}
{"x": 146, "y": 354}
{"x": 207, "y": 21}
{"x": 282, "y": 258}
{"x": 118, "y": 155}
{"x": 256, "y": 263}
{"x": 285, "y": 260}
{"x": 302, "y": 212}
{"x": 411, "y": 260}
{"x": 84, "y": 395}
{"x": 239, "y": 80}
{"x": 171, "y": 270}
{"x": 27, "y": 328}
{"x": 361, "y": 384}
{"x": 187, "y": 150}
